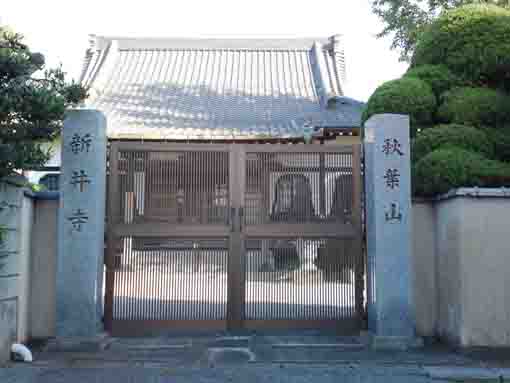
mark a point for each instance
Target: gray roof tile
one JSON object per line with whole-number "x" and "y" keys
{"x": 218, "y": 89}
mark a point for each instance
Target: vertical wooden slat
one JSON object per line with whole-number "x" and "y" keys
{"x": 235, "y": 295}
{"x": 174, "y": 270}
{"x": 322, "y": 184}
{"x": 356, "y": 210}
{"x": 113, "y": 214}
{"x": 126, "y": 213}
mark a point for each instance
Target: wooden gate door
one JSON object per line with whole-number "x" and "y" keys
{"x": 301, "y": 232}
{"x": 210, "y": 237}
{"x": 170, "y": 236}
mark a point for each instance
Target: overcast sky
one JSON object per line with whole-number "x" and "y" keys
{"x": 59, "y": 28}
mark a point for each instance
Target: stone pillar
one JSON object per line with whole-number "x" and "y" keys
{"x": 388, "y": 216}
{"x": 81, "y": 224}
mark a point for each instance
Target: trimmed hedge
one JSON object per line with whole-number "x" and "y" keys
{"x": 416, "y": 130}
{"x": 460, "y": 77}
{"x": 472, "y": 41}
{"x": 440, "y": 78}
{"x": 445, "y": 169}
{"x": 475, "y": 106}
{"x": 406, "y": 95}
{"x": 500, "y": 139}
{"x": 444, "y": 136}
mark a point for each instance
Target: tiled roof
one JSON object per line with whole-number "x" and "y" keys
{"x": 218, "y": 89}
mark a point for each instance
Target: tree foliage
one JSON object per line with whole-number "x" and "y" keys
{"x": 405, "y": 20}
{"x": 440, "y": 78}
{"x": 500, "y": 139}
{"x": 463, "y": 57}
{"x": 33, "y": 101}
{"x": 406, "y": 95}
{"x": 451, "y": 167}
{"x": 444, "y": 136}
{"x": 472, "y": 41}
{"x": 475, "y": 106}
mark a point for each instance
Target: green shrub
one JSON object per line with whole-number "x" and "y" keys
{"x": 416, "y": 130}
{"x": 472, "y": 41}
{"x": 475, "y": 106}
{"x": 3, "y": 234}
{"x": 443, "y": 136}
{"x": 406, "y": 95}
{"x": 449, "y": 168}
{"x": 440, "y": 78}
{"x": 500, "y": 139}
{"x": 37, "y": 187}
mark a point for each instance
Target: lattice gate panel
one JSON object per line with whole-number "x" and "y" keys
{"x": 174, "y": 187}
{"x": 302, "y": 220}
{"x": 299, "y": 279}
{"x": 168, "y": 246}
{"x": 163, "y": 279}
{"x": 298, "y": 187}
{"x": 210, "y": 236}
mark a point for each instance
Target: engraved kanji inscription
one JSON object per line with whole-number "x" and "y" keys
{"x": 393, "y": 213}
{"x": 392, "y": 146}
{"x": 392, "y": 177}
{"x": 78, "y": 219}
{"x": 80, "y": 179}
{"x": 80, "y": 143}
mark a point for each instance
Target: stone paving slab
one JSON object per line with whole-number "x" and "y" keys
{"x": 149, "y": 343}
{"x": 307, "y": 340}
{"x": 463, "y": 374}
{"x": 193, "y": 351}
{"x": 283, "y": 373}
{"x": 504, "y": 373}
{"x": 495, "y": 357}
{"x": 436, "y": 357}
{"x": 251, "y": 358}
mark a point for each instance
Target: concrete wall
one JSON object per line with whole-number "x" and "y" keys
{"x": 484, "y": 251}
{"x": 44, "y": 262}
{"x": 448, "y": 253}
{"x": 25, "y": 270}
{"x": 461, "y": 246}
{"x": 424, "y": 267}
{"x": 27, "y": 265}
{"x": 15, "y": 214}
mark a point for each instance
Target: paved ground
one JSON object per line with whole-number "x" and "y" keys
{"x": 158, "y": 289}
{"x": 317, "y": 359}
{"x": 246, "y": 374}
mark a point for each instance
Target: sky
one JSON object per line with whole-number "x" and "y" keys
{"x": 59, "y": 28}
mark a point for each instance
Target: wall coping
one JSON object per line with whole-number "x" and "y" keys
{"x": 16, "y": 180}
{"x": 42, "y": 195}
{"x": 474, "y": 192}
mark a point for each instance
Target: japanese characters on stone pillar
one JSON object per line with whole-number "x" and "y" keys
{"x": 388, "y": 212}
{"x": 81, "y": 224}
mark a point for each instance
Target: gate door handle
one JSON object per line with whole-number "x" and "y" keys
{"x": 241, "y": 217}
{"x": 232, "y": 219}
